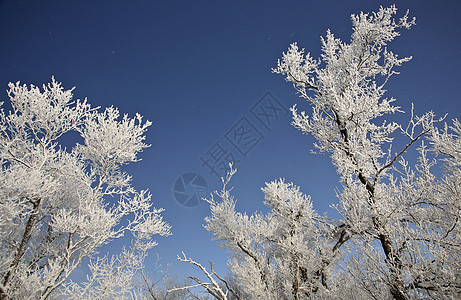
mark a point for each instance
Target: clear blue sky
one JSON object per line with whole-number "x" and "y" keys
{"x": 197, "y": 68}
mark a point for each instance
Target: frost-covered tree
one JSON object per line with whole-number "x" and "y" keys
{"x": 59, "y": 205}
{"x": 398, "y": 235}
{"x": 277, "y": 255}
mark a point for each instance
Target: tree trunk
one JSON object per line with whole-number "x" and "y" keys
{"x": 394, "y": 264}
{"x": 22, "y": 247}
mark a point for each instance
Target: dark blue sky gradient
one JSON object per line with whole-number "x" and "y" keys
{"x": 194, "y": 68}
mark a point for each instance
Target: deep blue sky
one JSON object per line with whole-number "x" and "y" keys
{"x": 195, "y": 68}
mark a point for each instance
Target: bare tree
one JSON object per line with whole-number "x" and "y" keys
{"x": 215, "y": 285}
{"x": 157, "y": 284}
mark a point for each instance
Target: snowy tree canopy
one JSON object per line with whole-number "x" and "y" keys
{"x": 398, "y": 235}
{"x": 58, "y": 205}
